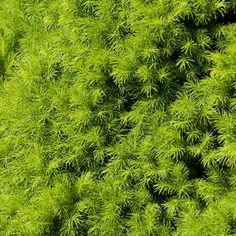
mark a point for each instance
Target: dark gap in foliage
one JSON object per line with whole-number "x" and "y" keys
{"x": 57, "y": 71}
{"x": 175, "y": 55}
{"x": 16, "y": 43}
{"x": 165, "y": 219}
{"x": 86, "y": 8}
{"x": 228, "y": 18}
{"x": 125, "y": 212}
{"x": 70, "y": 168}
{"x": 157, "y": 196}
{"x": 202, "y": 203}
{"x": 111, "y": 88}
{"x": 129, "y": 102}
{"x": 196, "y": 168}
{"x": 47, "y": 124}
{"x": 2, "y": 70}
{"x": 190, "y": 25}
{"x": 232, "y": 225}
{"x": 125, "y": 30}
{"x": 55, "y": 226}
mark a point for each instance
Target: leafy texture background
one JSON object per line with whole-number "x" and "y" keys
{"x": 118, "y": 117}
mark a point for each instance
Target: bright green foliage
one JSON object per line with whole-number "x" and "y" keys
{"x": 118, "y": 117}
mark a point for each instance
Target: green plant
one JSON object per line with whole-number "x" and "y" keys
{"x": 117, "y": 117}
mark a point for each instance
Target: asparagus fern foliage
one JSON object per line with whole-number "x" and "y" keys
{"x": 117, "y": 117}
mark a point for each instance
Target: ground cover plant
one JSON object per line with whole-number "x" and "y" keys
{"x": 118, "y": 117}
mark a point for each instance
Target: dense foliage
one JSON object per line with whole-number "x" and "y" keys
{"x": 118, "y": 117}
